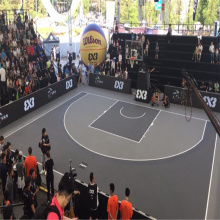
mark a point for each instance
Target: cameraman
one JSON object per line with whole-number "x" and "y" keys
{"x": 45, "y": 146}
{"x": 62, "y": 198}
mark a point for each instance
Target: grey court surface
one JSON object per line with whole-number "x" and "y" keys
{"x": 169, "y": 166}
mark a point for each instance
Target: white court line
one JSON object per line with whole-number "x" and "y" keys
{"x": 103, "y": 113}
{"x": 210, "y": 182}
{"x": 131, "y": 117}
{"x": 112, "y": 134}
{"x": 174, "y": 113}
{"x": 46, "y": 113}
{"x": 125, "y": 159}
{"x": 149, "y": 127}
{"x": 100, "y": 153}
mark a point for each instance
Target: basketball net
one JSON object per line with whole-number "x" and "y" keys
{"x": 132, "y": 59}
{"x": 186, "y": 100}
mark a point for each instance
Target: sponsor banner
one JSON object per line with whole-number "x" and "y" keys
{"x": 35, "y": 100}
{"x": 194, "y": 9}
{"x": 175, "y": 95}
{"x": 144, "y": 95}
{"x": 110, "y": 83}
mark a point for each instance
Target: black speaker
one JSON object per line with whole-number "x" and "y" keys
{"x": 156, "y": 0}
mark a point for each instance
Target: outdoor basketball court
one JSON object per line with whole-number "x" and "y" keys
{"x": 166, "y": 162}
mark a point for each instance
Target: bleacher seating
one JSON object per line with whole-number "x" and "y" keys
{"x": 173, "y": 57}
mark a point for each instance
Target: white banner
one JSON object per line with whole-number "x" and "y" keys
{"x": 110, "y": 12}
{"x": 140, "y": 4}
{"x": 118, "y": 10}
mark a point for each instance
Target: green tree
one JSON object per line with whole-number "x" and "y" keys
{"x": 150, "y": 13}
{"x": 210, "y": 13}
{"x": 202, "y": 5}
{"x": 85, "y": 6}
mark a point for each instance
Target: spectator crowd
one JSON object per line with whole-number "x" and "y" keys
{"x": 24, "y": 67}
{"x": 20, "y": 180}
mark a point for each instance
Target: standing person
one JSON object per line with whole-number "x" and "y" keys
{"x": 3, "y": 171}
{"x": 9, "y": 156}
{"x": 216, "y": 56}
{"x": 156, "y": 51}
{"x": 146, "y": 50}
{"x": 212, "y": 50}
{"x": 195, "y": 54}
{"x": 126, "y": 207}
{"x": 29, "y": 208}
{"x": 93, "y": 197}
{"x": 57, "y": 54}
{"x": 45, "y": 146}
{"x": 49, "y": 175}
{"x": 3, "y": 76}
{"x": 81, "y": 77}
{"x": 62, "y": 198}
{"x": 10, "y": 184}
{"x": 1, "y": 142}
{"x": 34, "y": 188}
{"x": 112, "y": 207}
{"x": 30, "y": 163}
{"x": 8, "y": 212}
{"x": 200, "y": 49}
{"x": 20, "y": 172}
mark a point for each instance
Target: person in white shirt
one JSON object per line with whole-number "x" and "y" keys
{"x": 3, "y": 77}
{"x": 14, "y": 42}
{"x": 26, "y": 25}
{"x": 18, "y": 51}
{"x": 126, "y": 73}
{"x": 212, "y": 51}
{"x": 15, "y": 52}
{"x": 120, "y": 59}
{"x": 113, "y": 67}
{"x": 200, "y": 35}
{"x": 200, "y": 49}
{"x": 1, "y": 36}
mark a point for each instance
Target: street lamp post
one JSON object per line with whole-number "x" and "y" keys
{"x": 70, "y": 28}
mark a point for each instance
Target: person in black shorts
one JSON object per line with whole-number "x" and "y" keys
{"x": 49, "y": 177}
{"x": 93, "y": 198}
{"x": 45, "y": 146}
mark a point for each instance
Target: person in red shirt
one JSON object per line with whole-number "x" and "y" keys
{"x": 30, "y": 163}
{"x": 27, "y": 89}
{"x": 126, "y": 207}
{"x": 112, "y": 207}
{"x": 62, "y": 198}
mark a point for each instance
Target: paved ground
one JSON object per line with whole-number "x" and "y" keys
{"x": 176, "y": 187}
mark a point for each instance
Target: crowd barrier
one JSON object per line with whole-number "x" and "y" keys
{"x": 17, "y": 109}
{"x": 82, "y": 209}
{"x": 110, "y": 83}
{"x": 211, "y": 99}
